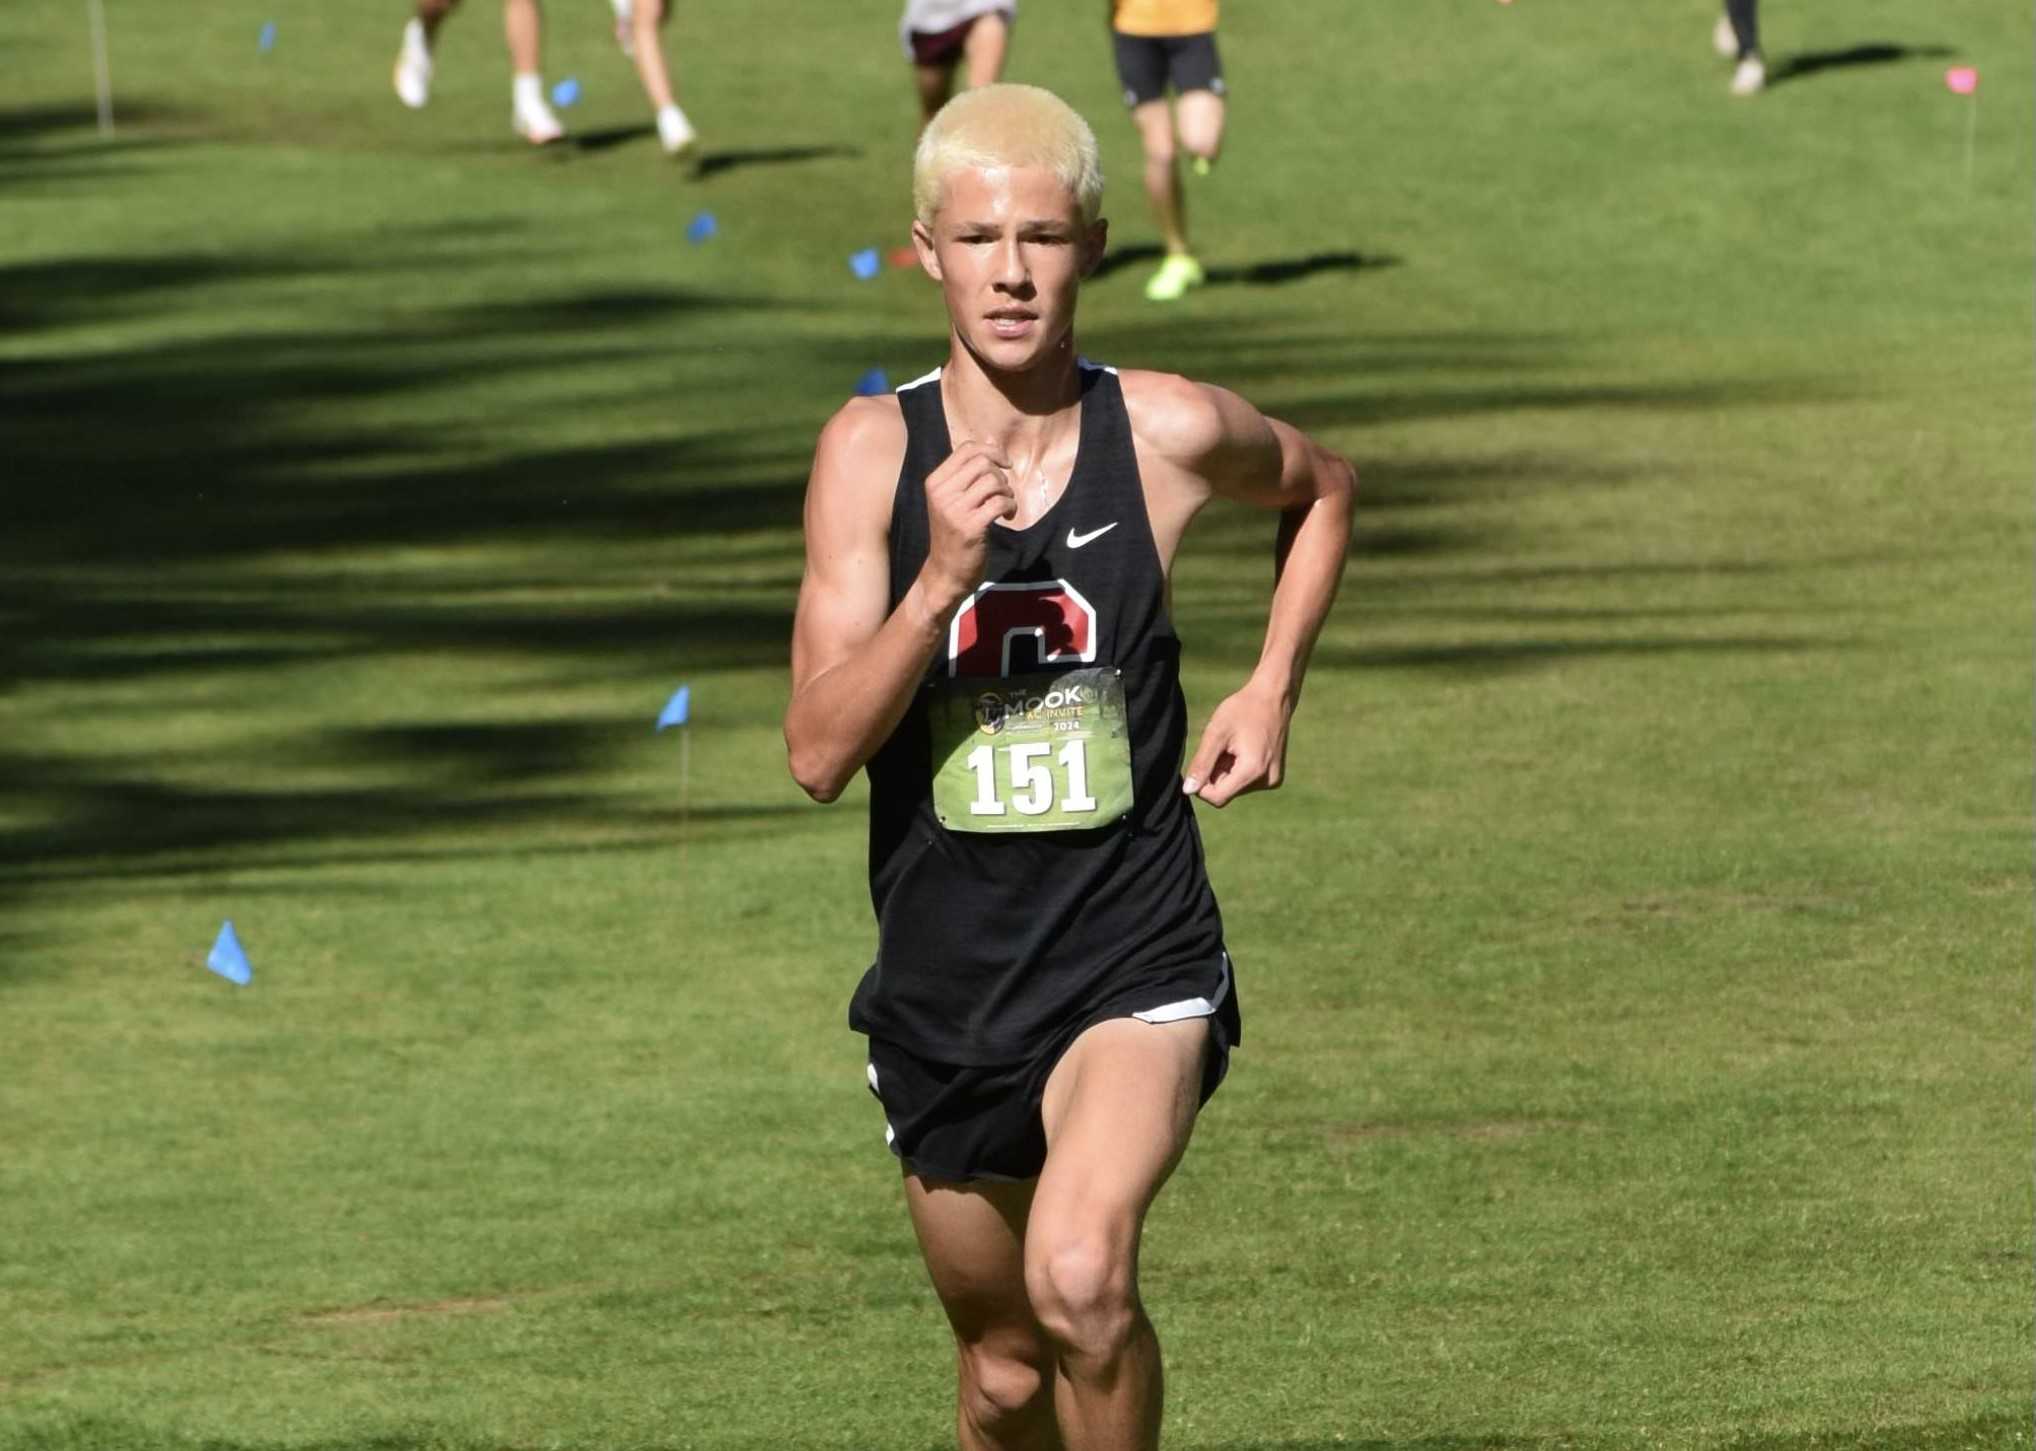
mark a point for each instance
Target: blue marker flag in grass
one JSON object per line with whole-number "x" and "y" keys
{"x": 677, "y": 708}
{"x": 701, "y": 228}
{"x": 566, "y": 92}
{"x": 866, "y": 263}
{"x": 267, "y": 40}
{"x": 227, "y": 959}
{"x": 872, "y": 384}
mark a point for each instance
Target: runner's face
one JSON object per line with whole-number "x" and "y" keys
{"x": 1009, "y": 249}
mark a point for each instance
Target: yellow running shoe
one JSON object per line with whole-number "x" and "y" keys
{"x": 1175, "y": 276}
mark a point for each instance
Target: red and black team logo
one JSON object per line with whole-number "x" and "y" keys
{"x": 1051, "y": 613}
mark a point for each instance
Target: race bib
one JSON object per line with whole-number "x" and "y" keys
{"x": 1043, "y": 752}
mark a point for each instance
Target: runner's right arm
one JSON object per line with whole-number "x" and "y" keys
{"x": 855, "y": 661}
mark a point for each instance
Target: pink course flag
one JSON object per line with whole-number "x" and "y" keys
{"x": 1963, "y": 80}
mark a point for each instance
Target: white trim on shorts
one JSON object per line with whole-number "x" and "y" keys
{"x": 890, "y": 1134}
{"x": 1189, "y": 1007}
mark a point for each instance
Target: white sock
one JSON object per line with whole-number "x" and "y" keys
{"x": 528, "y": 89}
{"x": 415, "y": 39}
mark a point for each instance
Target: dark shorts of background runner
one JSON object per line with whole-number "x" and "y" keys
{"x": 955, "y": 1124}
{"x": 944, "y": 47}
{"x": 1147, "y": 63}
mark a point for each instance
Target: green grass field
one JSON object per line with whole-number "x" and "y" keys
{"x": 1637, "y": 970}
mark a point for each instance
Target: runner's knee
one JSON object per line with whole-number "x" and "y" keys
{"x": 1155, "y": 124}
{"x": 1000, "y": 1390}
{"x": 1201, "y": 123}
{"x": 1082, "y": 1291}
{"x": 1207, "y": 144}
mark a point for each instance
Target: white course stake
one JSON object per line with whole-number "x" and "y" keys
{"x": 685, "y": 793}
{"x": 102, "y": 73}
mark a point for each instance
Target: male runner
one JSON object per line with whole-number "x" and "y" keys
{"x": 530, "y": 114}
{"x": 940, "y": 35}
{"x": 984, "y": 625}
{"x": 1736, "y": 36}
{"x": 1160, "y": 43}
{"x": 637, "y": 23}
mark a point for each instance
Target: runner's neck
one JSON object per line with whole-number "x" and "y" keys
{"x": 1025, "y": 416}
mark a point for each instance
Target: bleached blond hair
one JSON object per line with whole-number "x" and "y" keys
{"x": 1007, "y": 125}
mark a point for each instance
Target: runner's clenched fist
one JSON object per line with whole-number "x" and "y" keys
{"x": 965, "y": 497}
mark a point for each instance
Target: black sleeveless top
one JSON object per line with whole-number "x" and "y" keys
{"x": 988, "y": 944}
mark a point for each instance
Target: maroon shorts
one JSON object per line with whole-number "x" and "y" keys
{"x": 943, "y": 47}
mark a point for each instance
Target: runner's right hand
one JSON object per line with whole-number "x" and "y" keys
{"x": 965, "y": 497}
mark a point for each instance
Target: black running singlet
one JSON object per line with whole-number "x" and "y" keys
{"x": 1031, "y": 851}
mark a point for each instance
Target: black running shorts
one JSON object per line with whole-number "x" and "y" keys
{"x": 956, "y": 1123}
{"x": 945, "y": 47}
{"x": 1147, "y": 63}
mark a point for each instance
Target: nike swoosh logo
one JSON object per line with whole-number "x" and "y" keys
{"x": 1076, "y": 541}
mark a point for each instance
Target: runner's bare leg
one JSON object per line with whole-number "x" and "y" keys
{"x": 1155, "y": 123}
{"x": 972, "y": 1237}
{"x": 1199, "y": 115}
{"x": 984, "y": 49}
{"x": 1119, "y": 1108}
{"x": 523, "y": 24}
{"x": 431, "y": 14}
{"x": 646, "y": 17}
{"x": 935, "y": 83}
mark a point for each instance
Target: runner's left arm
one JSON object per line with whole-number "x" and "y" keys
{"x": 1241, "y": 454}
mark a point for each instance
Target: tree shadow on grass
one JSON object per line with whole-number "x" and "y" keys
{"x": 1484, "y": 656}
{"x": 1254, "y": 274}
{"x": 1326, "y": 379}
{"x": 1808, "y": 63}
{"x": 709, "y": 163}
{"x": 172, "y": 505}
{"x": 714, "y": 163}
{"x": 42, "y": 295}
{"x": 609, "y": 137}
{"x": 229, "y": 448}
{"x": 1354, "y": 408}
{"x": 26, "y": 125}
{"x": 163, "y": 812}
{"x": 58, "y": 144}
{"x": 56, "y": 170}
{"x": 195, "y": 511}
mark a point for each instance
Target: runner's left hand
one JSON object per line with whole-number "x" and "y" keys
{"x": 1244, "y": 748}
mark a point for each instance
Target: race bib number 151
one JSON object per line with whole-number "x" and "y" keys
{"x": 1043, "y": 752}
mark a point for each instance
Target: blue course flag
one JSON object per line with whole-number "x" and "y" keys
{"x": 565, "y": 92}
{"x": 866, "y": 263}
{"x": 227, "y": 959}
{"x": 267, "y": 40}
{"x": 677, "y": 708}
{"x": 701, "y": 228}
{"x": 872, "y": 384}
